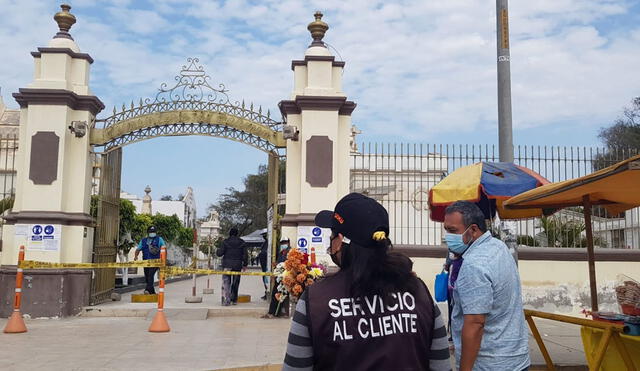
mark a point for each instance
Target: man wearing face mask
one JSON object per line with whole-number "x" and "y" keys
{"x": 150, "y": 247}
{"x": 373, "y": 314}
{"x": 488, "y": 325}
{"x": 285, "y": 247}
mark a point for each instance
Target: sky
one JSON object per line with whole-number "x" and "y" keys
{"x": 420, "y": 71}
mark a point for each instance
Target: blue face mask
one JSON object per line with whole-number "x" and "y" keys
{"x": 455, "y": 243}
{"x": 152, "y": 235}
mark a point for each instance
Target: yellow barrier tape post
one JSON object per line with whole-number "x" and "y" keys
{"x": 176, "y": 271}
{"x": 32, "y": 264}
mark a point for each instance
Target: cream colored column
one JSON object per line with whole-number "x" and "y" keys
{"x": 317, "y": 171}
{"x": 51, "y": 211}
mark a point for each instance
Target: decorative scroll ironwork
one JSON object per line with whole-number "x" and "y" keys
{"x": 182, "y": 129}
{"x": 192, "y": 91}
{"x": 192, "y": 84}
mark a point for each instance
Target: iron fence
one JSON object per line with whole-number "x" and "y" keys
{"x": 400, "y": 175}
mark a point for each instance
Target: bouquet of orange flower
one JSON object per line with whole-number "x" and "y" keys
{"x": 295, "y": 275}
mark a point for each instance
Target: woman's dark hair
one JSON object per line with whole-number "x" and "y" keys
{"x": 376, "y": 270}
{"x": 233, "y": 231}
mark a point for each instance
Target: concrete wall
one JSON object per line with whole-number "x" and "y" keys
{"x": 555, "y": 286}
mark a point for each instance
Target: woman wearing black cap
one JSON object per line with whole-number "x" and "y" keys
{"x": 374, "y": 314}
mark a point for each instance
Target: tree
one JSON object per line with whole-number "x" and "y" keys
{"x": 93, "y": 208}
{"x": 527, "y": 240}
{"x": 141, "y": 223}
{"x": 561, "y": 233}
{"x": 168, "y": 227}
{"x": 568, "y": 233}
{"x": 623, "y": 136}
{"x": 166, "y": 198}
{"x": 185, "y": 238}
{"x": 6, "y": 204}
{"x": 127, "y": 216}
{"x": 245, "y": 208}
{"x": 127, "y": 226}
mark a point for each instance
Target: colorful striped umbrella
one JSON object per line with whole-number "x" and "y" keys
{"x": 488, "y": 184}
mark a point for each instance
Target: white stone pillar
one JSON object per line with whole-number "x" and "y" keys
{"x": 53, "y": 162}
{"x": 317, "y": 173}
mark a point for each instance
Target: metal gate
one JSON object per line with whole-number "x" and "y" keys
{"x": 106, "y": 234}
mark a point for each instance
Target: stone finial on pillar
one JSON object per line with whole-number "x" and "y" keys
{"x": 317, "y": 28}
{"x": 65, "y": 20}
{"x": 146, "y": 201}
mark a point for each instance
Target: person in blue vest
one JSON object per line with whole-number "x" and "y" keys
{"x": 150, "y": 247}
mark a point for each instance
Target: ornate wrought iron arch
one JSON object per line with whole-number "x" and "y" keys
{"x": 190, "y": 107}
{"x": 183, "y": 129}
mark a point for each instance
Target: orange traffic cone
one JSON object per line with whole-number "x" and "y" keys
{"x": 159, "y": 322}
{"x": 15, "y": 325}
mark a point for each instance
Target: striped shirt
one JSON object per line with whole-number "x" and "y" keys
{"x": 299, "y": 355}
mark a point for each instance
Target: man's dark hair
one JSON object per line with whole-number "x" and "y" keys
{"x": 233, "y": 231}
{"x": 471, "y": 214}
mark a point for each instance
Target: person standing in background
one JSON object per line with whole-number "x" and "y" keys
{"x": 150, "y": 247}
{"x": 262, "y": 259}
{"x": 235, "y": 258}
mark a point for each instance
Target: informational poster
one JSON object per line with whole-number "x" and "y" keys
{"x": 44, "y": 237}
{"x": 316, "y": 237}
{"x": 22, "y": 230}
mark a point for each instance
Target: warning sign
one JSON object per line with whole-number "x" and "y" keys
{"x": 315, "y": 237}
{"x": 44, "y": 237}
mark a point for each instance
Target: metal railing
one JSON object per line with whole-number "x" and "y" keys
{"x": 400, "y": 175}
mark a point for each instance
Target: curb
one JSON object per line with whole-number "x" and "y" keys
{"x": 145, "y": 312}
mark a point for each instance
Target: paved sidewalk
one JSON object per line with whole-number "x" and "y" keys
{"x": 215, "y": 343}
{"x": 175, "y": 304}
{"x": 204, "y": 336}
{"x": 125, "y": 344}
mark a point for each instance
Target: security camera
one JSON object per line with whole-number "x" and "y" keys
{"x": 290, "y": 132}
{"x": 78, "y": 128}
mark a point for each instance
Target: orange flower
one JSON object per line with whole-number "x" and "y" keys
{"x": 289, "y": 281}
{"x": 301, "y": 277}
{"x": 278, "y": 295}
{"x": 309, "y": 282}
{"x": 290, "y": 265}
{"x": 297, "y": 290}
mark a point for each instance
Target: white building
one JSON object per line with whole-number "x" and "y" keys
{"x": 184, "y": 209}
{"x": 401, "y": 184}
{"x": 210, "y": 229}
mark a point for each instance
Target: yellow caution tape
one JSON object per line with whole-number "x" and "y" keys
{"x": 168, "y": 271}
{"x": 31, "y": 264}
{"x": 176, "y": 271}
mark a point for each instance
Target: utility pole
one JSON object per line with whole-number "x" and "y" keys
{"x": 505, "y": 128}
{"x": 505, "y": 125}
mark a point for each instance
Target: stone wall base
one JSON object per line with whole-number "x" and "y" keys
{"x": 46, "y": 292}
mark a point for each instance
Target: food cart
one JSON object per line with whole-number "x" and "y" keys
{"x": 616, "y": 188}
